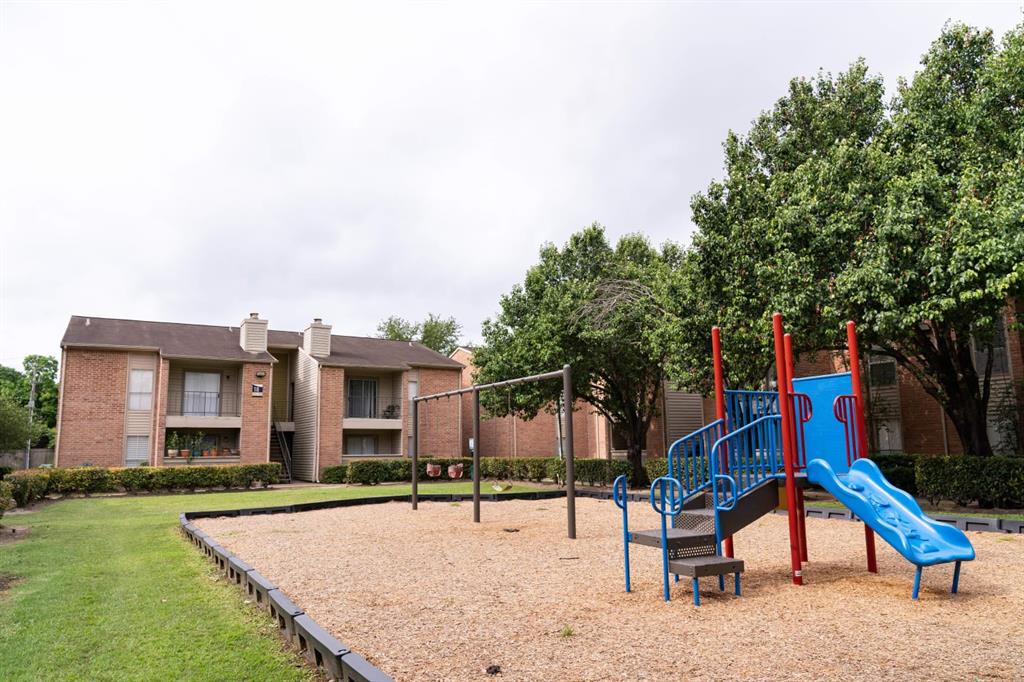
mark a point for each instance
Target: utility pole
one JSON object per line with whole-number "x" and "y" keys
{"x": 31, "y": 414}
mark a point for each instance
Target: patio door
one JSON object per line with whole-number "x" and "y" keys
{"x": 202, "y": 394}
{"x": 362, "y": 398}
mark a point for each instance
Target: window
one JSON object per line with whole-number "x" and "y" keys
{"x": 361, "y": 445}
{"x": 1000, "y": 360}
{"x": 136, "y": 451}
{"x": 140, "y": 389}
{"x": 882, "y": 372}
{"x": 362, "y": 398}
{"x": 202, "y": 394}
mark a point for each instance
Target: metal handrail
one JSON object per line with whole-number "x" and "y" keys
{"x": 620, "y": 496}
{"x": 732, "y": 487}
{"x": 667, "y": 502}
{"x": 381, "y": 407}
{"x": 750, "y": 454}
{"x": 688, "y": 457}
{"x": 844, "y": 407}
{"x": 203, "y": 403}
{"x": 803, "y": 410}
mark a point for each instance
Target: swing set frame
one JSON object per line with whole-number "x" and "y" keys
{"x": 565, "y": 374}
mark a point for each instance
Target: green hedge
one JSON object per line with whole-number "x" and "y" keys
{"x": 33, "y": 484}
{"x": 899, "y": 469}
{"x": 989, "y": 481}
{"x": 372, "y": 472}
{"x": 6, "y": 497}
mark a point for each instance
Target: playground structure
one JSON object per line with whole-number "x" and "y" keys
{"x": 565, "y": 374}
{"x": 726, "y": 475}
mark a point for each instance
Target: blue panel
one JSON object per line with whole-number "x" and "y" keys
{"x": 824, "y": 432}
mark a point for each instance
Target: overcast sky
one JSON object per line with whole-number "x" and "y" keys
{"x": 195, "y": 162}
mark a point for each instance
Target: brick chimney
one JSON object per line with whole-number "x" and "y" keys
{"x": 316, "y": 340}
{"x": 253, "y": 337}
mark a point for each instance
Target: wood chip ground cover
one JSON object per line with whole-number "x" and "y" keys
{"x": 428, "y": 595}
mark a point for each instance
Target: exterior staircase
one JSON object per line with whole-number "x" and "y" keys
{"x": 280, "y": 452}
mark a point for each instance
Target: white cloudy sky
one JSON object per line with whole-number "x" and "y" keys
{"x": 194, "y": 162}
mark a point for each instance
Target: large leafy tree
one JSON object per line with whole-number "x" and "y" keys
{"x": 595, "y": 307}
{"x": 16, "y": 386}
{"x": 908, "y": 218}
{"x": 436, "y": 332}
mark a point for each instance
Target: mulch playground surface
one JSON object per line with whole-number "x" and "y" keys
{"x": 428, "y": 595}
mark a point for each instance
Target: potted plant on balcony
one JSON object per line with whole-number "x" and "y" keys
{"x": 172, "y": 444}
{"x": 197, "y": 445}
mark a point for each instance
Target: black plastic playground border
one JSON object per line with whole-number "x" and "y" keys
{"x": 325, "y": 652}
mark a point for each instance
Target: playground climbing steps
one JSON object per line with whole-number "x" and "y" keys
{"x": 690, "y": 546}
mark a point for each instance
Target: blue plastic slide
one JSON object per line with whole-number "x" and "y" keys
{"x": 894, "y": 515}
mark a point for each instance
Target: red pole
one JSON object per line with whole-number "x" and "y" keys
{"x": 716, "y": 354}
{"x": 802, "y": 525}
{"x": 862, "y": 432}
{"x": 787, "y": 448}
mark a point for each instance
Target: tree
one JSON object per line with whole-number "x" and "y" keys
{"x": 595, "y": 308}
{"x": 436, "y": 332}
{"x": 15, "y": 429}
{"x": 17, "y": 386}
{"x": 908, "y": 219}
{"x": 440, "y": 333}
{"x": 397, "y": 329}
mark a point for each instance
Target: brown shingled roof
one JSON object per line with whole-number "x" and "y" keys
{"x": 174, "y": 339}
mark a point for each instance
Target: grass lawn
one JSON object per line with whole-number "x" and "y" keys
{"x": 107, "y": 589}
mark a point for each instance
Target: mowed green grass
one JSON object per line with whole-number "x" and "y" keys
{"x": 108, "y": 589}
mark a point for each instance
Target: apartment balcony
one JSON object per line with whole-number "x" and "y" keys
{"x": 203, "y": 409}
{"x": 363, "y": 410}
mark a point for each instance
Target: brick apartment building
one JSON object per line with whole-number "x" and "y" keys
{"x": 244, "y": 394}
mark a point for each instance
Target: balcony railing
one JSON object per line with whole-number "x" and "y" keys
{"x": 383, "y": 407}
{"x": 203, "y": 403}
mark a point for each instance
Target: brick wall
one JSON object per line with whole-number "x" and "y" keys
{"x": 332, "y": 415}
{"x": 439, "y": 429}
{"x": 254, "y": 437}
{"x": 94, "y": 393}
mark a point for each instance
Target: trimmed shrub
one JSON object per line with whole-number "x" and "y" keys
{"x": 989, "y": 481}
{"x": 6, "y": 497}
{"x": 4, "y": 470}
{"x": 656, "y": 468}
{"x": 33, "y": 484}
{"x": 537, "y": 469}
{"x": 28, "y": 485}
{"x": 368, "y": 472}
{"x": 899, "y": 469}
{"x": 335, "y": 474}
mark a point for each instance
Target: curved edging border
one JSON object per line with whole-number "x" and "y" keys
{"x": 316, "y": 645}
{"x": 339, "y": 662}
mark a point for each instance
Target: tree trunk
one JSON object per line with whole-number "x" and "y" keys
{"x": 970, "y": 419}
{"x": 944, "y": 366}
{"x": 637, "y": 473}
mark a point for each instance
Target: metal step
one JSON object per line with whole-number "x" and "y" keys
{"x": 678, "y": 538}
{"x": 700, "y": 566}
{"x": 702, "y": 511}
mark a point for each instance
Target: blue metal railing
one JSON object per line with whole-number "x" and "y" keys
{"x": 745, "y": 458}
{"x": 620, "y": 495}
{"x": 688, "y": 458}
{"x": 746, "y": 407}
{"x": 667, "y": 500}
